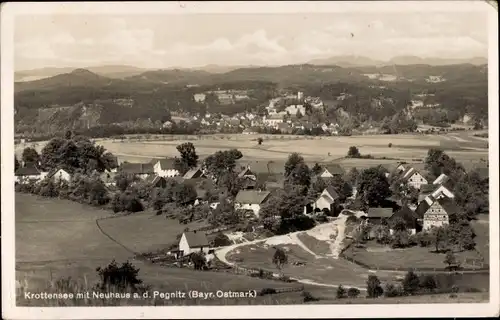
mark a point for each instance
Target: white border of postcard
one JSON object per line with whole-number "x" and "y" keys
{"x": 10, "y": 311}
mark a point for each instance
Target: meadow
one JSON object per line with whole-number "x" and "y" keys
{"x": 463, "y": 146}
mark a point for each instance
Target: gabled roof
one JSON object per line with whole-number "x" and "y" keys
{"x": 245, "y": 172}
{"x": 327, "y": 198}
{"x": 380, "y": 212}
{"x": 30, "y": 170}
{"x": 153, "y": 179}
{"x": 194, "y": 173}
{"x": 196, "y": 239}
{"x": 428, "y": 188}
{"x": 251, "y": 196}
{"x": 334, "y": 169}
{"x": 423, "y": 206}
{"x": 53, "y": 172}
{"x": 137, "y": 168}
{"x": 332, "y": 192}
{"x": 408, "y": 215}
{"x": 167, "y": 164}
{"x": 443, "y": 178}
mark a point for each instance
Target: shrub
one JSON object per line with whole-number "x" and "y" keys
{"x": 374, "y": 289}
{"x": 392, "y": 290}
{"x": 390, "y": 145}
{"x": 428, "y": 283}
{"x": 122, "y": 277}
{"x": 341, "y": 292}
{"x": 308, "y": 297}
{"x": 411, "y": 283}
{"x": 423, "y": 239}
{"x": 221, "y": 240}
{"x": 266, "y": 291}
{"x": 127, "y": 202}
{"x": 353, "y": 292}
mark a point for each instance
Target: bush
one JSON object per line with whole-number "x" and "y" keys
{"x": 123, "y": 277}
{"x": 392, "y": 290}
{"x": 266, "y": 291}
{"x": 428, "y": 283}
{"x": 221, "y": 240}
{"x": 423, "y": 239}
{"x": 411, "y": 283}
{"x": 341, "y": 292}
{"x": 374, "y": 289}
{"x": 126, "y": 202}
{"x": 353, "y": 292}
{"x": 308, "y": 297}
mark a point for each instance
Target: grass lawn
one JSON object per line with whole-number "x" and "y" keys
{"x": 322, "y": 270}
{"x": 320, "y": 248}
{"x": 481, "y": 297}
{"x": 145, "y": 231}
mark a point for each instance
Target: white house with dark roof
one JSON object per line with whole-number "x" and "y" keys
{"x": 60, "y": 175}
{"x": 165, "y": 167}
{"x": 141, "y": 170}
{"x": 29, "y": 172}
{"x": 250, "y": 200}
{"x": 331, "y": 170}
{"x": 193, "y": 241}
{"x": 413, "y": 178}
{"x": 326, "y": 200}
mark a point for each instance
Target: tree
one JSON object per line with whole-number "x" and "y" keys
{"x": 428, "y": 282}
{"x": 300, "y": 175}
{"x": 450, "y": 259}
{"x": 221, "y": 162}
{"x": 353, "y": 292}
{"x": 439, "y": 237}
{"x": 184, "y": 194}
{"x": 124, "y": 180}
{"x": 121, "y": 278}
{"x": 188, "y": 154}
{"x": 16, "y": 163}
{"x": 374, "y": 289}
{"x": 411, "y": 283}
{"x": 341, "y": 292}
{"x": 30, "y": 155}
{"x": 316, "y": 169}
{"x": 280, "y": 258}
{"x": 292, "y": 162}
{"x": 221, "y": 240}
{"x": 232, "y": 182}
{"x": 259, "y": 141}
{"x": 438, "y": 162}
{"x": 352, "y": 176}
{"x": 400, "y": 239}
{"x": 353, "y": 152}
{"x": 373, "y": 187}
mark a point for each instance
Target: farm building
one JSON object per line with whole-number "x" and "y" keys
{"x": 435, "y": 212}
{"x": 409, "y": 217}
{"x": 141, "y": 170}
{"x": 250, "y": 200}
{"x": 376, "y": 215}
{"x": 193, "y": 241}
{"x": 247, "y": 173}
{"x": 156, "y": 181}
{"x": 29, "y": 172}
{"x": 60, "y": 175}
{"x": 331, "y": 170}
{"x": 326, "y": 200}
{"x": 194, "y": 173}
{"x": 165, "y": 168}
{"x": 413, "y": 178}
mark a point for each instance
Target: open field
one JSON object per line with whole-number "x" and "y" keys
{"x": 382, "y": 257}
{"x": 58, "y": 238}
{"x": 461, "y": 145}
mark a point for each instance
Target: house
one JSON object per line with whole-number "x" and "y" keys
{"x": 294, "y": 109}
{"x": 141, "y": 170}
{"x": 156, "y": 181}
{"x": 60, "y": 175}
{"x": 108, "y": 178}
{"x": 194, "y": 173}
{"x": 436, "y": 191}
{"x": 326, "y": 200}
{"x": 193, "y": 241}
{"x": 273, "y": 120}
{"x": 29, "y": 172}
{"x": 409, "y": 217}
{"x": 435, "y": 212}
{"x": 331, "y": 170}
{"x": 413, "y": 178}
{"x": 165, "y": 167}
{"x": 247, "y": 173}
{"x": 250, "y": 200}
{"x": 376, "y": 215}
{"x": 441, "y": 179}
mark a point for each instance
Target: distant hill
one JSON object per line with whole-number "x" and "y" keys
{"x": 355, "y": 61}
{"x": 111, "y": 71}
{"x": 75, "y": 78}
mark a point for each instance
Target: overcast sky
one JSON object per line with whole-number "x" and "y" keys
{"x": 162, "y": 41}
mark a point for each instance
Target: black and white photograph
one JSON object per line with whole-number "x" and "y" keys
{"x": 324, "y": 157}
